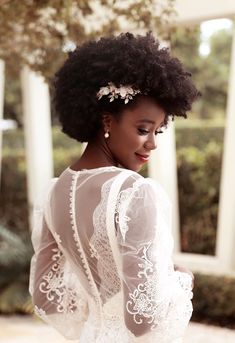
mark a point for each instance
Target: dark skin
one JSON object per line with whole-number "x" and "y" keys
{"x": 95, "y": 156}
{"x": 131, "y": 139}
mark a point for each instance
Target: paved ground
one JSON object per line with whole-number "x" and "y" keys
{"x": 24, "y": 329}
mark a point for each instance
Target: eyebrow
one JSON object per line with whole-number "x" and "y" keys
{"x": 146, "y": 121}
{"x": 149, "y": 122}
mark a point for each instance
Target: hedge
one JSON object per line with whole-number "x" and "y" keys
{"x": 198, "y": 135}
{"x": 214, "y": 300}
{"x": 199, "y": 181}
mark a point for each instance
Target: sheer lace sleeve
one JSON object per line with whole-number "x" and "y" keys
{"x": 157, "y": 300}
{"x": 56, "y": 292}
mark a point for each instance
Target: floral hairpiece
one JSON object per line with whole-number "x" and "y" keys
{"x": 113, "y": 92}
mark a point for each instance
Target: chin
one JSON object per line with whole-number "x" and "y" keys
{"x": 135, "y": 168}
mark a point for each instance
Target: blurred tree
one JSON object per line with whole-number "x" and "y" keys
{"x": 185, "y": 42}
{"x": 210, "y": 72}
{"x": 215, "y": 73}
{"x": 12, "y": 98}
{"x": 34, "y": 32}
{"x": 37, "y": 33}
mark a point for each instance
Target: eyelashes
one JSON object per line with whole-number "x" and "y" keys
{"x": 143, "y": 132}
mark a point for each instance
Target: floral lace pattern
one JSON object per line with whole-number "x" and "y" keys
{"x": 146, "y": 300}
{"x": 100, "y": 249}
{"x": 122, "y": 204}
{"x": 53, "y": 285}
{"x": 122, "y": 220}
{"x": 143, "y": 300}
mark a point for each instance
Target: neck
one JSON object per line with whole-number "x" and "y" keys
{"x": 97, "y": 154}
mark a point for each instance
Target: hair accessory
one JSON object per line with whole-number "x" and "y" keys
{"x": 106, "y": 135}
{"x": 113, "y": 92}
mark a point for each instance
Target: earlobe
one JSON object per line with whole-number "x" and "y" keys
{"x": 106, "y": 120}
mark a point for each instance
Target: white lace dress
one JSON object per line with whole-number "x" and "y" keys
{"x": 102, "y": 269}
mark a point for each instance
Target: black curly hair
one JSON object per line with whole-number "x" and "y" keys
{"x": 123, "y": 60}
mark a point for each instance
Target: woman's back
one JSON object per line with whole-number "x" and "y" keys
{"x": 78, "y": 206}
{"x": 104, "y": 265}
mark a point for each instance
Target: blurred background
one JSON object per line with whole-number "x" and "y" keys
{"x": 35, "y": 38}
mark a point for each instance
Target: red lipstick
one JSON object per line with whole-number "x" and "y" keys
{"x": 142, "y": 158}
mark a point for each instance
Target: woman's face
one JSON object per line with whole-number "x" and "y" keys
{"x": 133, "y": 136}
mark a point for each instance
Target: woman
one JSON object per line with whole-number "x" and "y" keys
{"x": 102, "y": 269}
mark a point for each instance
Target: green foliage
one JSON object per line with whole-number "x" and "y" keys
{"x": 13, "y": 204}
{"x": 14, "y": 251}
{"x": 65, "y": 150}
{"x": 214, "y": 300}
{"x": 199, "y": 178}
{"x": 210, "y": 73}
{"x": 185, "y": 43}
{"x": 216, "y": 70}
{"x": 12, "y": 99}
{"x": 15, "y": 255}
{"x": 198, "y": 136}
{"x": 64, "y": 159}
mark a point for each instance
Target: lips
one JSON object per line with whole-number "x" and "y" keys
{"x": 142, "y": 158}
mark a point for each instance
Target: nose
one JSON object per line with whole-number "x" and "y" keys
{"x": 151, "y": 143}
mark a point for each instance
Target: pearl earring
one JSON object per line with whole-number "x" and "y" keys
{"x": 106, "y": 135}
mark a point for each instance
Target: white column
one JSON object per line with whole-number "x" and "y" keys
{"x": 38, "y": 139}
{"x": 2, "y": 79}
{"x": 226, "y": 220}
{"x": 163, "y": 168}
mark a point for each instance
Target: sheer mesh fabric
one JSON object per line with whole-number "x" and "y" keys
{"x": 154, "y": 298}
{"x": 87, "y": 290}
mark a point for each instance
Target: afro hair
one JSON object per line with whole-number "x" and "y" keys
{"x": 127, "y": 59}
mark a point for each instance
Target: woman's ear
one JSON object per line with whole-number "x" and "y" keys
{"x": 106, "y": 120}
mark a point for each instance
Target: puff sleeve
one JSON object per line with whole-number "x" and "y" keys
{"x": 157, "y": 299}
{"x": 57, "y": 295}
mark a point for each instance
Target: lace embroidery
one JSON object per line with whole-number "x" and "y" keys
{"x": 185, "y": 281}
{"x": 57, "y": 238}
{"x": 93, "y": 251}
{"x": 146, "y": 301}
{"x": 55, "y": 288}
{"x": 123, "y": 202}
{"x": 143, "y": 299}
{"x": 172, "y": 311}
{"x": 99, "y": 243}
{"x": 40, "y": 312}
{"x": 120, "y": 218}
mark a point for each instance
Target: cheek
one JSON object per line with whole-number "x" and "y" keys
{"x": 129, "y": 141}
{"x": 120, "y": 142}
